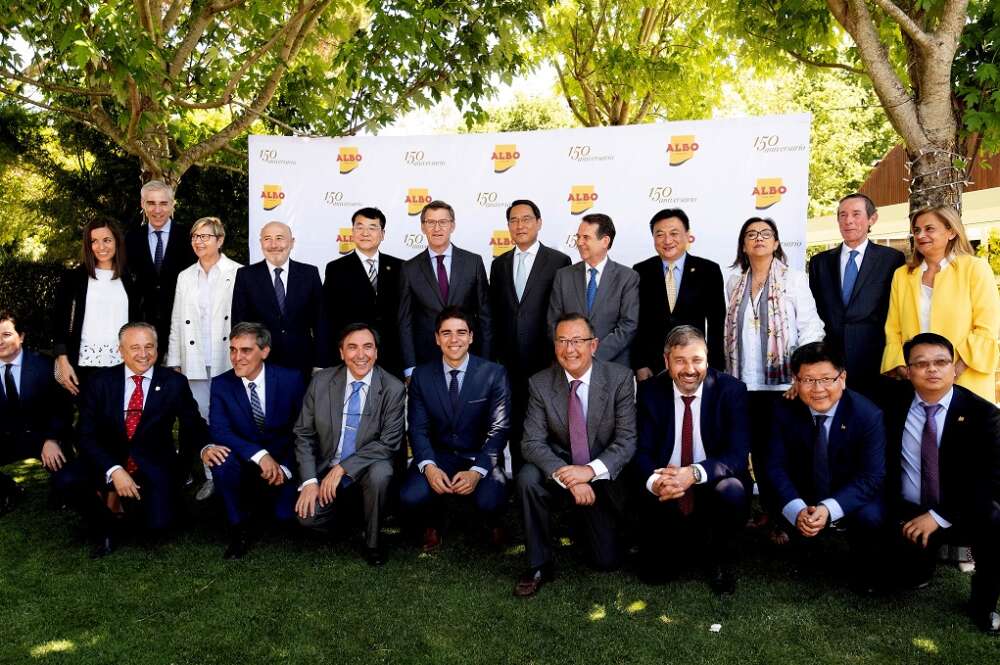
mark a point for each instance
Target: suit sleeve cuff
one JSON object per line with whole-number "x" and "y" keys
{"x": 649, "y": 482}
{"x": 480, "y": 470}
{"x": 311, "y": 481}
{"x": 792, "y": 509}
{"x": 704, "y": 476}
{"x": 832, "y": 505}
{"x": 107, "y": 474}
{"x": 258, "y": 456}
{"x": 600, "y": 471}
{"x": 942, "y": 522}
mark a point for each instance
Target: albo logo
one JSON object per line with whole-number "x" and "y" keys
{"x": 581, "y": 198}
{"x": 504, "y": 157}
{"x": 416, "y": 199}
{"x": 682, "y": 148}
{"x": 271, "y": 196}
{"x": 768, "y": 192}
{"x": 345, "y": 240}
{"x": 501, "y": 242}
{"x": 348, "y": 159}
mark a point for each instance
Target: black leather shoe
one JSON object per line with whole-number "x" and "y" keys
{"x": 239, "y": 544}
{"x": 9, "y": 501}
{"x": 374, "y": 556}
{"x": 103, "y": 548}
{"x": 530, "y": 582}
{"x": 722, "y": 581}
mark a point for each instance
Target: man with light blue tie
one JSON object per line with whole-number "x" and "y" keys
{"x": 349, "y": 430}
{"x": 605, "y": 291}
{"x": 251, "y": 414}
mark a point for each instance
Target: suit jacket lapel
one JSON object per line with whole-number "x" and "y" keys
{"x": 361, "y": 271}
{"x": 458, "y": 277}
{"x": 271, "y": 388}
{"x": 597, "y": 399}
{"x": 507, "y": 269}
{"x": 374, "y": 397}
{"x": 579, "y": 287}
{"x": 153, "y": 399}
{"x": 869, "y": 265}
{"x": 424, "y": 265}
{"x": 560, "y": 393}
{"x": 536, "y": 269}
{"x": 441, "y": 389}
{"x": 335, "y": 393}
{"x": 266, "y": 284}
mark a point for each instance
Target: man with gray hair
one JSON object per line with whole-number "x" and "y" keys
{"x": 157, "y": 251}
{"x": 694, "y": 438}
{"x": 126, "y": 442}
{"x": 251, "y": 415}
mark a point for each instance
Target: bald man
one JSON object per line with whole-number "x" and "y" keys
{"x": 286, "y": 297}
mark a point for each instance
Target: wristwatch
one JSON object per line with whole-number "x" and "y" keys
{"x": 696, "y": 472}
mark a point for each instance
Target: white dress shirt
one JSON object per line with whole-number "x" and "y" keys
{"x": 529, "y": 259}
{"x": 913, "y": 432}
{"x": 678, "y": 270}
{"x": 15, "y": 369}
{"x": 583, "y": 392}
{"x": 365, "y": 259}
{"x": 927, "y": 293}
{"x": 447, "y": 261}
{"x": 697, "y": 445}
{"x": 151, "y": 238}
{"x": 794, "y": 507}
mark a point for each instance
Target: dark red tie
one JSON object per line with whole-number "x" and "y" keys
{"x": 132, "y": 417}
{"x": 686, "y": 502}
{"x": 442, "y": 278}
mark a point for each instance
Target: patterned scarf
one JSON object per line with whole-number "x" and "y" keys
{"x": 777, "y": 369}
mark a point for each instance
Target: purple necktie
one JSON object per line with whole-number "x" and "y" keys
{"x": 579, "y": 448}
{"x": 442, "y": 279}
{"x": 930, "y": 490}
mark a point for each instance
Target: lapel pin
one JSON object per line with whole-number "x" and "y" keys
{"x": 843, "y": 426}
{"x": 692, "y": 269}
{"x": 961, "y": 419}
{"x": 157, "y": 389}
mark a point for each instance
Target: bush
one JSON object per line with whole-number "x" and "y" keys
{"x": 28, "y": 289}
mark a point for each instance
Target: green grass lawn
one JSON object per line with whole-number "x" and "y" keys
{"x": 298, "y": 602}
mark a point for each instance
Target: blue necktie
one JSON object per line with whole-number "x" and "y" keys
{"x": 255, "y": 407}
{"x": 453, "y": 389}
{"x": 850, "y": 276}
{"x": 821, "y": 460}
{"x": 279, "y": 289}
{"x": 351, "y": 421}
{"x": 591, "y": 289}
{"x": 519, "y": 277}
{"x": 158, "y": 252}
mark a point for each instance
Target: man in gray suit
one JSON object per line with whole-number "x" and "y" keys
{"x": 350, "y": 427}
{"x": 605, "y": 291}
{"x": 578, "y": 436}
{"x": 440, "y": 275}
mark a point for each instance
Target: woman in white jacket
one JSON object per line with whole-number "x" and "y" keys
{"x": 199, "y": 326}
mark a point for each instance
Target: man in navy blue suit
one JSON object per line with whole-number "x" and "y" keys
{"x": 694, "y": 438}
{"x": 252, "y": 411}
{"x": 459, "y": 420}
{"x": 287, "y": 298}
{"x": 34, "y": 414}
{"x": 827, "y": 457}
{"x": 126, "y": 441}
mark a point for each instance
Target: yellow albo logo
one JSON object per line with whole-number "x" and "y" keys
{"x": 581, "y": 198}
{"x": 501, "y": 242}
{"x": 681, "y": 148}
{"x": 416, "y": 199}
{"x": 271, "y": 196}
{"x": 768, "y": 192}
{"x": 504, "y": 157}
{"x": 348, "y": 159}
{"x": 345, "y": 240}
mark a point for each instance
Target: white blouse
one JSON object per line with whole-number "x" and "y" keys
{"x": 105, "y": 313}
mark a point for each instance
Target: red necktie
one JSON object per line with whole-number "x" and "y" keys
{"x": 686, "y": 502}
{"x": 132, "y": 417}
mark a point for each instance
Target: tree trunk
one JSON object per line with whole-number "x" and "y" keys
{"x": 934, "y": 180}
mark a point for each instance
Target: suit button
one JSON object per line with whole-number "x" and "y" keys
{"x": 225, "y": 318}
{"x": 188, "y": 322}
{"x": 224, "y": 338}
{"x": 191, "y": 342}
{"x": 282, "y": 331}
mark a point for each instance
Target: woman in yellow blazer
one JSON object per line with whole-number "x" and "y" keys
{"x": 945, "y": 289}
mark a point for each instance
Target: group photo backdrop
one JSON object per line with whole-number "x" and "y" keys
{"x": 721, "y": 172}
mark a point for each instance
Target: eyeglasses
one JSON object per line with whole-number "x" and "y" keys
{"x": 575, "y": 342}
{"x": 437, "y": 223}
{"x": 938, "y": 363}
{"x": 527, "y": 219}
{"x": 203, "y": 237}
{"x": 822, "y": 382}
{"x": 763, "y": 235}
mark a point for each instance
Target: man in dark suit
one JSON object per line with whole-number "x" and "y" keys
{"x": 676, "y": 288}
{"x": 286, "y": 297}
{"x": 851, "y": 285}
{"x": 347, "y": 436}
{"x": 578, "y": 436}
{"x": 437, "y": 277}
{"x": 253, "y": 409}
{"x": 126, "y": 441}
{"x": 944, "y": 475}
{"x": 459, "y": 418}
{"x": 520, "y": 284}
{"x": 694, "y": 439}
{"x": 826, "y": 460}
{"x": 363, "y": 287}
{"x": 157, "y": 251}
{"x": 605, "y": 291}
{"x": 34, "y": 411}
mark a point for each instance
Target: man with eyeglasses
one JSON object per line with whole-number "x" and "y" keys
{"x": 363, "y": 287}
{"x": 676, "y": 288}
{"x": 943, "y": 484}
{"x": 694, "y": 439}
{"x": 606, "y": 292}
{"x": 826, "y": 461}
{"x": 520, "y": 284}
{"x": 459, "y": 416}
{"x": 346, "y": 438}
{"x": 579, "y": 434}
{"x": 440, "y": 276}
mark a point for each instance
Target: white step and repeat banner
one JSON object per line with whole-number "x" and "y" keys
{"x": 721, "y": 172}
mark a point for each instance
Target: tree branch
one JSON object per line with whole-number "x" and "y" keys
{"x": 54, "y": 87}
{"x": 906, "y": 22}
{"x": 173, "y": 13}
{"x": 569, "y": 98}
{"x": 72, "y": 113}
{"x": 142, "y": 10}
{"x": 953, "y": 17}
{"x": 805, "y": 59}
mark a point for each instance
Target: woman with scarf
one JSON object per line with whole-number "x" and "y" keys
{"x": 770, "y": 312}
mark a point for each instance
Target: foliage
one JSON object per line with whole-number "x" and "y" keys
{"x": 179, "y": 84}
{"x": 525, "y": 114}
{"x": 28, "y": 288}
{"x": 989, "y": 249}
{"x": 977, "y": 77}
{"x": 636, "y": 61}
